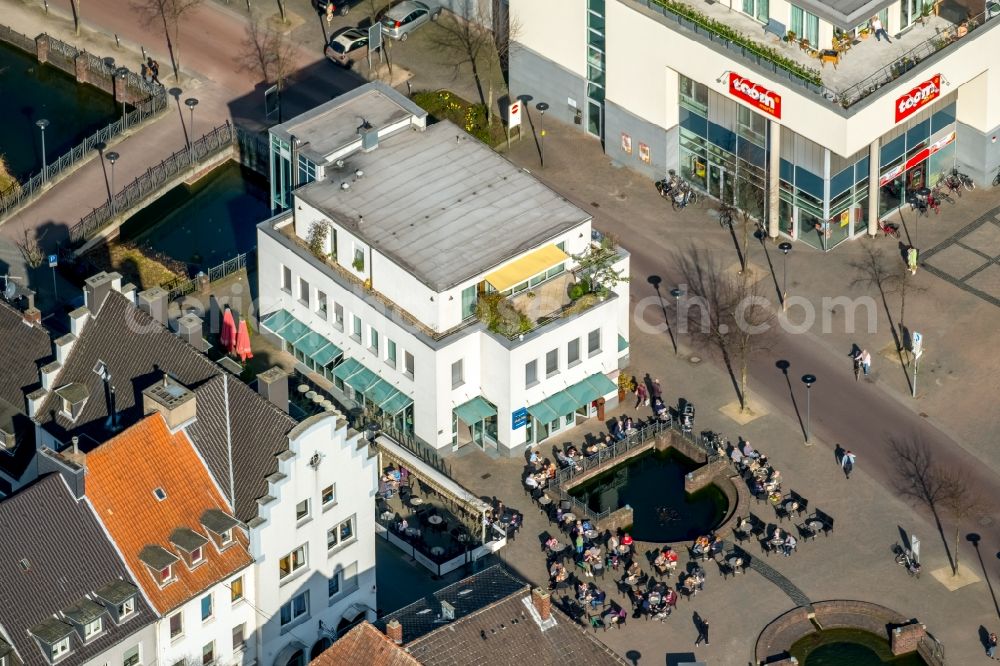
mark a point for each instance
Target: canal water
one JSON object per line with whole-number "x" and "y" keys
{"x": 31, "y": 91}
{"x": 206, "y": 223}
{"x": 653, "y": 485}
{"x": 849, "y": 647}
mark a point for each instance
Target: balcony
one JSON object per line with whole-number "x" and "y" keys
{"x": 859, "y": 67}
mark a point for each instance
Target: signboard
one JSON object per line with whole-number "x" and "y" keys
{"x": 519, "y": 418}
{"x": 916, "y": 344}
{"x": 626, "y": 144}
{"x": 374, "y": 37}
{"x": 644, "y": 153}
{"x": 755, "y": 95}
{"x": 893, "y": 173}
{"x": 918, "y": 98}
{"x": 53, "y": 260}
{"x": 514, "y": 115}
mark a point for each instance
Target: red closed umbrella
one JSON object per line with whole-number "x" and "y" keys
{"x": 227, "y": 336}
{"x": 243, "y": 342}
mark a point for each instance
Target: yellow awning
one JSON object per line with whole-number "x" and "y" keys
{"x": 526, "y": 267}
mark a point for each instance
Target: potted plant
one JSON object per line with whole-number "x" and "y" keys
{"x": 790, "y": 36}
{"x": 804, "y": 44}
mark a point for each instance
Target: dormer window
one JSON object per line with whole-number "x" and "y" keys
{"x": 190, "y": 544}
{"x": 160, "y": 562}
{"x": 126, "y": 608}
{"x": 54, "y": 634}
{"x": 92, "y": 629}
{"x": 118, "y": 598}
{"x": 74, "y": 397}
{"x": 87, "y": 617}
{"x": 219, "y": 526}
{"x": 166, "y": 575}
{"x": 226, "y": 538}
{"x": 196, "y": 555}
{"x": 60, "y": 648}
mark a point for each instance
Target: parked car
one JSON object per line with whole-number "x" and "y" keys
{"x": 342, "y": 7}
{"x": 401, "y": 19}
{"x": 347, "y": 46}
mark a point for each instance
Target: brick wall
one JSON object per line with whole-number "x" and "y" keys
{"x": 906, "y": 638}
{"x": 616, "y": 520}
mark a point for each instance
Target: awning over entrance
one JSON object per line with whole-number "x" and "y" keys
{"x": 475, "y": 410}
{"x": 305, "y": 340}
{"x": 346, "y": 369}
{"x": 573, "y": 398}
{"x": 526, "y": 267}
{"x": 376, "y": 390}
{"x": 432, "y": 477}
{"x": 396, "y": 403}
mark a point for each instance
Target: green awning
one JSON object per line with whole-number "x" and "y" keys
{"x": 600, "y": 386}
{"x": 305, "y": 340}
{"x": 542, "y": 412}
{"x": 475, "y": 410}
{"x": 573, "y": 398}
{"x": 346, "y": 369}
{"x": 277, "y": 320}
{"x": 362, "y": 380}
{"x": 310, "y": 343}
{"x": 396, "y": 404}
{"x": 379, "y": 392}
{"x": 562, "y": 403}
{"x": 327, "y": 355}
{"x": 622, "y": 343}
{"x": 293, "y": 331}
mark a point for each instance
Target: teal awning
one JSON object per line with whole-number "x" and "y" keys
{"x": 327, "y": 355}
{"x": 305, "y": 340}
{"x": 310, "y": 343}
{"x": 475, "y": 410}
{"x": 285, "y": 326}
{"x": 362, "y": 380}
{"x": 293, "y": 331}
{"x": 346, "y": 369}
{"x": 573, "y": 398}
{"x": 622, "y": 343}
{"x": 380, "y": 391}
{"x": 562, "y": 402}
{"x": 542, "y": 412}
{"x": 396, "y": 404}
{"x": 277, "y": 320}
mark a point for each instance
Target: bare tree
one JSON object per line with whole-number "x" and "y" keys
{"x": 961, "y": 502}
{"x": 168, "y": 13}
{"x": 30, "y": 248}
{"x": 750, "y": 202}
{"x": 729, "y": 313}
{"x": 268, "y": 52}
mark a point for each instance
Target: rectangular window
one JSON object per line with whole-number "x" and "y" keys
{"x": 408, "y": 364}
{"x": 552, "y": 363}
{"x": 373, "y": 341}
{"x": 292, "y": 562}
{"x": 132, "y": 657}
{"x": 390, "y": 352}
{"x": 347, "y": 530}
{"x": 60, "y": 648}
{"x": 333, "y": 585}
{"x": 236, "y": 590}
{"x": 594, "y": 342}
{"x": 469, "y": 300}
{"x": 332, "y": 537}
{"x": 573, "y": 352}
{"x": 329, "y": 495}
{"x": 239, "y": 636}
{"x": 126, "y": 608}
{"x": 196, "y": 555}
{"x": 302, "y": 510}
{"x": 176, "y": 624}
{"x": 338, "y": 315}
{"x": 226, "y": 537}
{"x": 359, "y": 259}
{"x": 206, "y": 607}
{"x": 321, "y": 304}
{"x": 304, "y": 292}
{"x": 457, "y": 374}
{"x": 166, "y": 575}
{"x": 307, "y": 170}
{"x": 294, "y": 609}
{"x": 694, "y": 95}
{"x": 286, "y": 279}
{"x": 91, "y": 629}
{"x": 530, "y": 374}
{"x": 356, "y": 327}
{"x": 208, "y": 654}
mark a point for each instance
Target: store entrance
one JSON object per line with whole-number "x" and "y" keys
{"x": 720, "y": 183}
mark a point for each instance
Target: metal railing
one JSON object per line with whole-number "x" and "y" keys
{"x": 17, "y": 39}
{"x": 230, "y": 266}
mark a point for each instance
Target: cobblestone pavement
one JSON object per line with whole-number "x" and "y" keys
{"x": 970, "y": 259}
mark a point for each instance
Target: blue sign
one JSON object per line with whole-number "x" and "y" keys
{"x": 53, "y": 260}
{"x": 519, "y": 418}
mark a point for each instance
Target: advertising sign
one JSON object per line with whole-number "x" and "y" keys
{"x": 514, "y": 115}
{"x": 644, "y": 153}
{"x": 755, "y": 95}
{"x": 626, "y": 144}
{"x": 919, "y": 157}
{"x": 519, "y": 418}
{"x": 918, "y": 98}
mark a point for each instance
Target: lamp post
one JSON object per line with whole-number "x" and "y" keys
{"x": 542, "y": 108}
{"x": 190, "y": 103}
{"x": 120, "y": 74}
{"x": 785, "y": 248}
{"x": 42, "y": 124}
{"x": 677, "y": 293}
{"x": 808, "y": 380}
{"x": 112, "y": 157}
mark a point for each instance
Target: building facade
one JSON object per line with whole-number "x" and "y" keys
{"x": 797, "y": 112}
{"x": 441, "y": 305}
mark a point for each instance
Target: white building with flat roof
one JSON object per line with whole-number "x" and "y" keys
{"x": 430, "y": 282}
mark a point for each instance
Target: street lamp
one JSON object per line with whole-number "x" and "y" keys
{"x": 676, "y": 292}
{"x": 121, "y": 73}
{"x": 542, "y": 108}
{"x": 785, "y": 248}
{"x": 42, "y": 124}
{"x": 112, "y": 157}
{"x": 808, "y": 380}
{"x": 190, "y": 103}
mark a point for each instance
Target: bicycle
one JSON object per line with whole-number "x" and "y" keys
{"x": 965, "y": 180}
{"x": 952, "y": 182}
{"x": 904, "y": 557}
{"x": 940, "y": 195}
{"x": 727, "y": 215}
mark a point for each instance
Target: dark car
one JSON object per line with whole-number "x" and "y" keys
{"x": 342, "y": 7}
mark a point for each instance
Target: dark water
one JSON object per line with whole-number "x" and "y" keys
{"x": 205, "y": 224}
{"x": 31, "y": 91}
{"x": 653, "y": 485}
{"x": 849, "y": 647}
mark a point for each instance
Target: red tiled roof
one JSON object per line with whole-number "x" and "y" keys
{"x": 364, "y": 645}
{"x": 122, "y": 474}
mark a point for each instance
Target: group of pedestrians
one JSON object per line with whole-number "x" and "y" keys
{"x": 151, "y": 71}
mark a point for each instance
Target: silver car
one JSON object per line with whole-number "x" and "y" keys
{"x": 402, "y": 19}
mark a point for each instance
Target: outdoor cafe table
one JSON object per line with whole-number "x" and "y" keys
{"x": 303, "y": 388}
{"x": 591, "y": 534}
{"x": 437, "y": 550}
{"x": 310, "y": 395}
{"x": 558, "y": 547}
{"x": 568, "y": 517}
{"x": 412, "y": 531}
{"x": 387, "y": 515}
{"x": 791, "y": 505}
{"x": 814, "y": 525}
{"x": 318, "y": 398}
{"x": 544, "y": 500}
{"x": 416, "y": 501}
{"x": 434, "y": 520}
{"x": 735, "y": 561}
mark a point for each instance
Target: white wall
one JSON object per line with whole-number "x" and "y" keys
{"x": 355, "y": 475}
{"x": 556, "y": 29}
{"x": 145, "y": 638}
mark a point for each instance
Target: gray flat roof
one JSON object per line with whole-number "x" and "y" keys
{"x": 334, "y": 125}
{"x": 442, "y": 205}
{"x": 845, "y": 14}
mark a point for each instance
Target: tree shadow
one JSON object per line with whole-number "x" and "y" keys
{"x": 770, "y": 266}
{"x": 974, "y": 539}
{"x": 872, "y": 271}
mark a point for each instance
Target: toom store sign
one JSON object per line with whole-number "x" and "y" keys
{"x": 918, "y": 98}
{"x": 755, "y": 95}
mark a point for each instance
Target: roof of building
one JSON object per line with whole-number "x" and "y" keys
{"x": 122, "y": 475}
{"x": 137, "y": 350}
{"x": 441, "y": 205}
{"x": 333, "y": 126}
{"x": 54, "y": 554}
{"x": 364, "y": 645}
{"x": 846, "y": 14}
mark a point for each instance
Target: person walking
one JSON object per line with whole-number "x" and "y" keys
{"x": 848, "y": 463}
{"x": 702, "y": 631}
{"x": 866, "y": 361}
{"x": 641, "y": 395}
{"x": 991, "y": 646}
{"x": 879, "y": 29}
{"x": 911, "y": 260}
{"x": 154, "y": 70}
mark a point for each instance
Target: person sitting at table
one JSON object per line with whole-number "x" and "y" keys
{"x": 749, "y": 451}
{"x": 778, "y": 538}
{"x": 758, "y": 488}
{"x": 590, "y": 448}
{"x": 557, "y": 575}
{"x": 690, "y": 585}
{"x": 581, "y": 590}
{"x": 737, "y": 456}
{"x": 617, "y": 432}
{"x": 701, "y": 545}
{"x": 661, "y": 565}
{"x": 625, "y": 546}
{"x": 530, "y": 481}
{"x": 628, "y": 425}
{"x": 789, "y": 545}
{"x": 716, "y": 546}
{"x": 613, "y": 544}
{"x": 551, "y": 470}
{"x": 552, "y": 543}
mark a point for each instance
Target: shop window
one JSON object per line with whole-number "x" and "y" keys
{"x": 943, "y": 118}
{"x": 693, "y": 122}
{"x": 694, "y": 95}
{"x": 918, "y": 133}
{"x": 861, "y": 171}
{"x": 751, "y": 125}
{"x": 786, "y": 171}
{"x": 721, "y": 137}
{"x": 842, "y": 181}
{"x": 809, "y": 182}
{"x": 892, "y": 150}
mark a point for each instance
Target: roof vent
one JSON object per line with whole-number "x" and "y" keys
{"x": 25, "y": 564}
{"x": 160, "y": 494}
{"x": 447, "y": 611}
{"x": 174, "y": 401}
{"x": 339, "y": 164}
{"x": 369, "y": 137}
{"x": 345, "y": 185}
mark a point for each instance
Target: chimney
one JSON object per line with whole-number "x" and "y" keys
{"x": 72, "y": 467}
{"x": 97, "y": 287}
{"x": 128, "y": 291}
{"x": 174, "y": 401}
{"x": 64, "y": 345}
{"x": 73, "y": 453}
{"x": 273, "y": 385}
{"x": 189, "y": 328}
{"x": 394, "y": 630}
{"x": 542, "y": 602}
{"x": 33, "y": 315}
{"x": 77, "y": 320}
{"x": 154, "y": 303}
{"x": 369, "y": 137}
{"x": 7, "y": 435}
{"x": 49, "y": 372}
{"x": 34, "y": 401}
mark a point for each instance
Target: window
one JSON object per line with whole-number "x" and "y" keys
{"x": 206, "y": 607}
{"x": 408, "y": 364}
{"x": 752, "y": 126}
{"x": 552, "y": 363}
{"x": 390, "y": 352}
{"x": 176, "y": 623}
{"x": 340, "y": 534}
{"x": 329, "y": 495}
{"x": 236, "y": 590}
{"x": 359, "y": 259}
{"x": 307, "y": 170}
{"x": 294, "y": 609}
{"x": 331, "y": 537}
{"x": 373, "y": 341}
{"x": 594, "y": 342}
{"x": 208, "y": 653}
{"x": 60, "y": 648}
{"x": 126, "y": 608}
{"x": 286, "y": 279}
{"x": 694, "y": 95}
{"x": 196, "y": 555}
{"x": 294, "y": 561}
{"x": 302, "y": 510}
{"x": 530, "y": 373}
{"x": 356, "y": 327}
{"x": 239, "y": 636}
{"x": 333, "y": 585}
{"x": 132, "y": 657}
{"x": 573, "y": 352}
{"x": 333, "y": 243}
{"x": 304, "y": 292}
{"x": 350, "y": 575}
{"x": 805, "y": 25}
{"x": 338, "y": 316}
{"x": 166, "y": 574}
{"x": 91, "y": 629}
{"x": 321, "y": 304}
{"x": 469, "y": 299}
{"x": 457, "y": 378}
{"x": 226, "y": 537}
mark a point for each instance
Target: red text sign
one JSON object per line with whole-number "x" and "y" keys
{"x": 755, "y": 95}
{"x": 918, "y": 98}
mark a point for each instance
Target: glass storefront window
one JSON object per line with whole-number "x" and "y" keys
{"x": 918, "y": 133}
{"x": 809, "y": 182}
{"x": 693, "y": 122}
{"x": 841, "y": 182}
{"x": 943, "y": 118}
{"x": 694, "y": 95}
{"x": 892, "y": 150}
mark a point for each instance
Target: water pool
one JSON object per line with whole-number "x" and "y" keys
{"x": 849, "y": 647}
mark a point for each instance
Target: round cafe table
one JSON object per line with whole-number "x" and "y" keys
{"x": 318, "y": 399}
{"x": 591, "y": 534}
{"x": 387, "y": 515}
{"x": 544, "y": 500}
{"x": 416, "y": 501}
{"x": 303, "y": 388}
{"x": 310, "y": 395}
{"x": 814, "y": 525}
{"x": 437, "y": 550}
{"x": 435, "y": 520}
{"x": 568, "y": 517}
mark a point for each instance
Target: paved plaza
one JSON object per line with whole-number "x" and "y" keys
{"x": 970, "y": 259}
